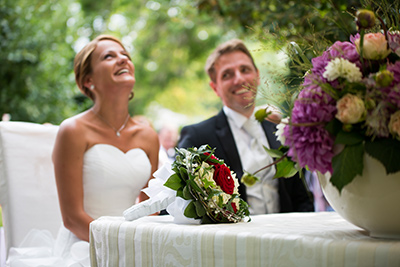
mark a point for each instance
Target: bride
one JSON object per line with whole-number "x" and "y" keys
{"x": 102, "y": 157}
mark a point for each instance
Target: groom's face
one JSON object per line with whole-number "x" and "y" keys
{"x": 236, "y": 81}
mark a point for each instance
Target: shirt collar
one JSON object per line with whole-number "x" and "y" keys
{"x": 237, "y": 118}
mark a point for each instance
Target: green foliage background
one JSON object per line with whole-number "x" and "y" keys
{"x": 169, "y": 41}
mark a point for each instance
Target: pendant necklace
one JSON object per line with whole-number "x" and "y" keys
{"x": 117, "y": 132}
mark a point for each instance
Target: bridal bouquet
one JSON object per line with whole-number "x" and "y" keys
{"x": 349, "y": 105}
{"x": 209, "y": 185}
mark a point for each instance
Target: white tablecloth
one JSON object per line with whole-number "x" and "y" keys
{"x": 293, "y": 239}
{"x": 2, "y": 248}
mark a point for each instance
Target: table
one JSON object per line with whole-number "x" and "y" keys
{"x": 2, "y": 247}
{"x": 291, "y": 239}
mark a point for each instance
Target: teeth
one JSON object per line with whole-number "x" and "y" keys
{"x": 241, "y": 91}
{"x": 122, "y": 71}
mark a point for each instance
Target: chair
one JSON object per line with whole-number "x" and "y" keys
{"x": 28, "y": 193}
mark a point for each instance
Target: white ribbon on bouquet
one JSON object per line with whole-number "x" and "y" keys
{"x": 160, "y": 198}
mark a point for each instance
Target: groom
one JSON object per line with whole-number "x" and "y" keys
{"x": 237, "y": 137}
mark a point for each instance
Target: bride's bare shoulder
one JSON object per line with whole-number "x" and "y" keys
{"x": 75, "y": 125}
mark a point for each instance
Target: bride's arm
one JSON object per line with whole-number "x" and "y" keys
{"x": 151, "y": 146}
{"x": 68, "y": 152}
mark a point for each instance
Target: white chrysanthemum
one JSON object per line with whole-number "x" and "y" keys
{"x": 279, "y": 133}
{"x": 340, "y": 67}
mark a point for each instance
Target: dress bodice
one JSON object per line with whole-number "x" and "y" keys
{"x": 112, "y": 179}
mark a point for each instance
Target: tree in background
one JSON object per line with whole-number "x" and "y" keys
{"x": 35, "y": 62}
{"x": 168, "y": 41}
{"x": 303, "y": 30}
{"x": 290, "y": 26}
{"x": 287, "y": 19}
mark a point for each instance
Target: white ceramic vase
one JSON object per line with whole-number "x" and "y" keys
{"x": 370, "y": 201}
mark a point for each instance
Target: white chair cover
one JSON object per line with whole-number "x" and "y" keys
{"x": 28, "y": 193}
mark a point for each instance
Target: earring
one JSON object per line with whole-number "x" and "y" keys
{"x": 131, "y": 95}
{"x": 92, "y": 87}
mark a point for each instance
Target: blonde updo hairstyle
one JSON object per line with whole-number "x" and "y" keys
{"x": 82, "y": 62}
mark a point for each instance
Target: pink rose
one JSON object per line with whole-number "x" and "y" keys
{"x": 394, "y": 124}
{"x": 375, "y": 46}
{"x": 350, "y": 109}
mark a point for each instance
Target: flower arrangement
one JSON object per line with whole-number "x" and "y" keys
{"x": 209, "y": 184}
{"x": 349, "y": 105}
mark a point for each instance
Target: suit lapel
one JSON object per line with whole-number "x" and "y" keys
{"x": 270, "y": 129}
{"x": 230, "y": 152}
{"x": 225, "y": 136}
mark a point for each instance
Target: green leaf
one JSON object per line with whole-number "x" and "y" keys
{"x": 348, "y": 138}
{"x": 213, "y": 192}
{"x": 184, "y": 173}
{"x": 207, "y": 183}
{"x": 207, "y": 220}
{"x": 285, "y": 168}
{"x": 353, "y": 88}
{"x": 194, "y": 185}
{"x": 327, "y": 88}
{"x": 190, "y": 210}
{"x": 244, "y": 208}
{"x": 249, "y": 179}
{"x": 274, "y": 153}
{"x": 386, "y": 151}
{"x": 186, "y": 193}
{"x": 174, "y": 182}
{"x": 334, "y": 127}
{"x": 199, "y": 209}
{"x": 179, "y": 193}
{"x": 346, "y": 165}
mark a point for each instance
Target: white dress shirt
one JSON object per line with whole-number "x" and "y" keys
{"x": 263, "y": 197}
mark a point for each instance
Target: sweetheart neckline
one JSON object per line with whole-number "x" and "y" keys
{"x": 108, "y": 145}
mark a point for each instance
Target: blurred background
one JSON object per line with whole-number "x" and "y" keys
{"x": 169, "y": 41}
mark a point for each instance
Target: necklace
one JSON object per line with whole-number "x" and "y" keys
{"x": 117, "y": 132}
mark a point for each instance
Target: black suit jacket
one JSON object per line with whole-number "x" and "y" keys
{"x": 217, "y": 134}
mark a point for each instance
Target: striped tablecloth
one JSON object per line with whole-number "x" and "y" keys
{"x": 292, "y": 239}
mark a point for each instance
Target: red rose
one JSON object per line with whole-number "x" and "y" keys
{"x": 223, "y": 178}
{"x": 234, "y": 207}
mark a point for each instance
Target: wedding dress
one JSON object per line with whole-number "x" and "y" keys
{"x": 112, "y": 181}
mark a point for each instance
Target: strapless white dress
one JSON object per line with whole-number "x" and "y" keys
{"x": 112, "y": 181}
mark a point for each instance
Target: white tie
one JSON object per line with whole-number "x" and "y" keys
{"x": 263, "y": 196}
{"x": 258, "y": 153}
